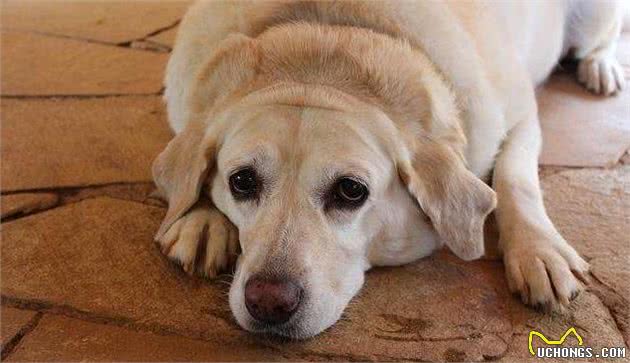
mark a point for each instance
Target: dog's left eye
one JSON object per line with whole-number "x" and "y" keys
{"x": 348, "y": 193}
{"x": 244, "y": 184}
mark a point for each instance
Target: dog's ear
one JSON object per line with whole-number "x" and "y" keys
{"x": 456, "y": 201}
{"x": 179, "y": 170}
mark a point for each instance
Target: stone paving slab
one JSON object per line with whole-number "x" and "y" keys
{"x": 439, "y": 308}
{"x": 62, "y": 339}
{"x": 582, "y": 129}
{"x": 107, "y": 293}
{"x": 74, "y": 67}
{"x": 75, "y": 142}
{"x": 587, "y": 314}
{"x": 98, "y": 257}
{"x": 422, "y": 311}
{"x": 112, "y": 271}
{"x": 24, "y": 203}
{"x": 591, "y": 209}
{"x": 106, "y": 21}
{"x": 387, "y": 321}
{"x": 13, "y": 321}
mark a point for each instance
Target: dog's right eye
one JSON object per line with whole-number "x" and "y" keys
{"x": 347, "y": 193}
{"x": 244, "y": 184}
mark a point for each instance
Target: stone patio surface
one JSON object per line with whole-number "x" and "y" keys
{"x": 81, "y": 279}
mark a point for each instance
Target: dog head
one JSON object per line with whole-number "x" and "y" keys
{"x": 323, "y": 179}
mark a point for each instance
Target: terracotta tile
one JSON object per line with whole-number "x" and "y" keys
{"x": 62, "y": 339}
{"x": 107, "y": 21}
{"x": 13, "y": 321}
{"x": 23, "y": 203}
{"x": 590, "y": 209}
{"x": 69, "y": 142}
{"x": 165, "y": 38}
{"x": 73, "y": 67}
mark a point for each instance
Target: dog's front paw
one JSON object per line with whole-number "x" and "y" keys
{"x": 543, "y": 271}
{"x": 601, "y": 74}
{"x": 202, "y": 241}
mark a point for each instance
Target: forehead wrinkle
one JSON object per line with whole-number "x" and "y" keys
{"x": 293, "y": 158}
{"x": 257, "y": 155}
{"x": 258, "y": 138}
{"x": 362, "y": 150}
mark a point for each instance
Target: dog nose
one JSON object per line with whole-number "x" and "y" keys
{"x": 270, "y": 300}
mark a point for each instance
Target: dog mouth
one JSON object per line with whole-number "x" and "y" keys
{"x": 291, "y": 329}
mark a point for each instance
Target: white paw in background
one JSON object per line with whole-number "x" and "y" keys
{"x": 545, "y": 272}
{"x": 601, "y": 73}
{"x": 202, "y": 241}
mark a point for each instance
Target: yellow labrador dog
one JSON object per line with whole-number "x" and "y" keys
{"x": 324, "y": 138}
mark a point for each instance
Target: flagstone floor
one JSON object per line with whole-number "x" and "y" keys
{"x": 82, "y": 119}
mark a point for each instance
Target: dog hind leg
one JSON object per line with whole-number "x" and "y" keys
{"x": 593, "y": 32}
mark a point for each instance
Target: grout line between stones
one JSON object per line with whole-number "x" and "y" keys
{"x": 45, "y": 307}
{"x": 610, "y": 307}
{"x": 18, "y": 216}
{"x": 74, "y": 189}
{"x": 546, "y": 171}
{"x": 126, "y": 44}
{"x": 10, "y": 346}
{"x": 151, "y": 34}
{"x": 67, "y": 196}
{"x": 607, "y": 287}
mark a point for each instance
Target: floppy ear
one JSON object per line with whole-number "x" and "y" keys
{"x": 179, "y": 170}
{"x": 456, "y": 201}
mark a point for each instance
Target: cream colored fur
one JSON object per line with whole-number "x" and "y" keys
{"x": 423, "y": 100}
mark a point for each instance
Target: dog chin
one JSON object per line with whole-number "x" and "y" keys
{"x": 306, "y": 323}
{"x": 296, "y": 328}
{"x": 293, "y": 329}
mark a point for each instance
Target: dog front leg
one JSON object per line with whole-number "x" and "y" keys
{"x": 203, "y": 240}
{"x": 540, "y": 265}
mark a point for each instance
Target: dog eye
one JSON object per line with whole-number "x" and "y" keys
{"x": 350, "y": 193}
{"x": 244, "y": 184}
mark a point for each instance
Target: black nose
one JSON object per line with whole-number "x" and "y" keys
{"x": 272, "y": 301}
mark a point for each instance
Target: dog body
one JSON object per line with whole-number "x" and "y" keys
{"x": 336, "y": 136}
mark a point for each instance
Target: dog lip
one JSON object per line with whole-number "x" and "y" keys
{"x": 290, "y": 329}
{"x": 287, "y": 329}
